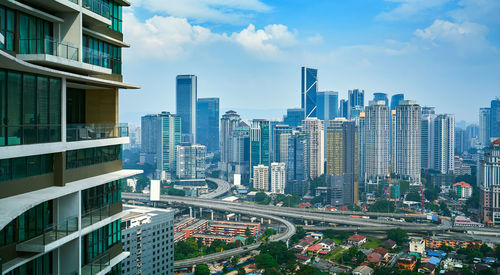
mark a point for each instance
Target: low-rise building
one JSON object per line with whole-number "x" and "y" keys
{"x": 462, "y": 189}
{"x": 356, "y": 240}
{"x": 417, "y": 245}
{"x": 362, "y": 270}
{"x": 207, "y": 239}
{"x": 427, "y": 268}
{"x": 436, "y": 243}
{"x": 328, "y": 244}
{"x": 389, "y": 244}
{"x": 230, "y": 228}
{"x": 407, "y": 262}
{"x": 466, "y": 222}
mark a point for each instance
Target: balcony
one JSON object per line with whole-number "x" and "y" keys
{"x": 97, "y": 265}
{"x": 49, "y": 46}
{"x": 81, "y": 132}
{"x": 101, "y": 59}
{"x": 51, "y": 237}
{"x": 98, "y": 7}
{"x": 95, "y": 215}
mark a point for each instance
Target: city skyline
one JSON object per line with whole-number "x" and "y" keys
{"x": 437, "y": 54}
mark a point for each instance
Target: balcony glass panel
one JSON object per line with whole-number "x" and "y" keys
{"x": 79, "y": 132}
{"x": 97, "y": 6}
{"x": 49, "y": 46}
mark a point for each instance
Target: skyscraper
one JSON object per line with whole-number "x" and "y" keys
{"x": 314, "y": 127}
{"x": 427, "y": 137}
{"x": 495, "y": 118}
{"x": 381, "y": 97}
{"x": 484, "y": 126}
{"x": 278, "y": 178}
{"x": 444, "y": 144}
{"x": 280, "y": 141}
{"x": 294, "y": 117}
{"x": 356, "y": 102}
{"x": 343, "y": 108}
{"x": 376, "y": 136}
{"x": 297, "y": 166}
{"x": 60, "y": 139}
{"x": 489, "y": 184}
{"x": 395, "y": 99}
{"x": 229, "y": 121}
{"x": 149, "y": 138}
{"x": 308, "y": 89}
{"x": 328, "y": 105}
{"x": 191, "y": 163}
{"x": 170, "y": 133}
{"x": 207, "y": 123}
{"x": 342, "y": 156}
{"x": 260, "y": 143}
{"x": 261, "y": 177}
{"x": 186, "y": 99}
{"x": 408, "y": 122}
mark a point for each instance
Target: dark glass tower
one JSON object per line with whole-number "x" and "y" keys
{"x": 309, "y": 88}
{"x": 207, "y": 123}
{"x": 395, "y": 99}
{"x": 328, "y": 105}
{"x": 495, "y": 118}
{"x": 186, "y": 97}
{"x": 381, "y": 97}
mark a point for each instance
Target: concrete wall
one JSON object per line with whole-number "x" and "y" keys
{"x": 101, "y": 106}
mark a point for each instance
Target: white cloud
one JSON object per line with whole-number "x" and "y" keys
{"x": 466, "y": 36}
{"x": 477, "y": 10}
{"x": 409, "y": 8}
{"x": 220, "y": 11}
{"x": 265, "y": 42}
{"x": 173, "y": 38}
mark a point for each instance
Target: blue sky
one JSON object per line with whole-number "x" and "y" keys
{"x": 442, "y": 53}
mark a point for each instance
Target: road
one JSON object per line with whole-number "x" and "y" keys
{"x": 222, "y": 188}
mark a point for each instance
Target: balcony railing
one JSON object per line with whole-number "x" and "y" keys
{"x": 79, "y": 132}
{"x": 101, "y": 59}
{"x": 95, "y": 215}
{"x": 97, "y": 6}
{"x": 50, "y": 234}
{"x": 97, "y": 265}
{"x": 48, "y": 46}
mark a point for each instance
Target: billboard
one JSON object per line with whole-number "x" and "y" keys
{"x": 154, "y": 194}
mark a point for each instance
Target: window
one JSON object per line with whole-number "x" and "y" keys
{"x": 100, "y": 53}
{"x": 30, "y": 108}
{"x": 18, "y": 168}
{"x": 35, "y": 35}
{"x": 100, "y": 196}
{"x": 99, "y": 241}
{"x": 87, "y": 157}
{"x": 7, "y": 27}
{"x": 115, "y": 15}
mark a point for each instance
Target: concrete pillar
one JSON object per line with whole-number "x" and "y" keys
{"x": 190, "y": 212}
{"x": 305, "y": 222}
{"x": 201, "y": 212}
{"x": 212, "y": 215}
{"x": 261, "y": 220}
{"x": 269, "y": 221}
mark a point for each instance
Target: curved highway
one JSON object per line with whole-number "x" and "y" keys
{"x": 222, "y": 188}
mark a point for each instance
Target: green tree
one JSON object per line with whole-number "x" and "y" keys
{"x": 262, "y": 198}
{"x": 299, "y": 234}
{"x": 247, "y": 232}
{"x": 431, "y": 194}
{"x": 201, "y": 269}
{"x": 241, "y": 271}
{"x": 446, "y": 248}
{"x": 473, "y": 201}
{"x": 413, "y": 196}
{"x": 398, "y": 235}
{"x": 264, "y": 260}
{"x": 235, "y": 260}
{"x": 453, "y": 194}
{"x": 404, "y": 186}
{"x": 250, "y": 240}
{"x": 383, "y": 206}
{"x": 444, "y": 209}
{"x": 317, "y": 199}
{"x": 279, "y": 251}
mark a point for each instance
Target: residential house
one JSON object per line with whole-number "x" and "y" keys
{"x": 407, "y": 262}
{"x": 328, "y": 244}
{"x": 417, "y": 245}
{"x": 427, "y": 268}
{"x": 356, "y": 240}
{"x": 389, "y": 244}
{"x": 315, "y": 248}
{"x": 374, "y": 258}
{"x": 383, "y": 252}
{"x": 362, "y": 270}
{"x": 303, "y": 259}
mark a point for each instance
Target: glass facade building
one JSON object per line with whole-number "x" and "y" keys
{"x": 207, "y": 123}
{"x": 60, "y": 140}
{"x": 260, "y": 137}
{"x": 294, "y": 117}
{"x": 185, "y": 100}
{"x": 309, "y": 88}
{"x": 395, "y": 100}
{"x": 328, "y": 105}
{"x": 381, "y": 97}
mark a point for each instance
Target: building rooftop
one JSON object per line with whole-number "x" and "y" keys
{"x": 356, "y": 238}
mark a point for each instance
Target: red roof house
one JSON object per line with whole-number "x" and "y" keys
{"x": 356, "y": 240}
{"x": 315, "y": 248}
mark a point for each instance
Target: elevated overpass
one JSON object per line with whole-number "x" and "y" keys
{"x": 223, "y": 187}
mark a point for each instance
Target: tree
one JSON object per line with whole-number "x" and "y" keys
{"x": 431, "y": 206}
{"x": 383, "y": 206}
{"x": 413, "y": 196}
{"x": 453, "y": 194}
{"x": 241, "y": 271}
{"x": 317, "y": 199}
{"x": 262, "y": 198}
{"x": 473, "y": 201}
{"x": 279, "y": 251}
{"x": 250, "y": 240}
{"x": 404, "y": 186}
{"x": 247, "y": 232}
{"x": 431, "y": 194}
{"x": 299, "y": 234}
{"x": 444, "y": 209}
{"x": 446, "y": 248}
{"x": 201, "y": 269}
{"x": 398, "y": 235}
{"x": 264, "y": 260}
{"x": 235, "y": 260}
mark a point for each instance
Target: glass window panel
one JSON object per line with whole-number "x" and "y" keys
{"x": 5, "y": 174}
{"x": 34, "y": 165}
{"x": 11, "y": 20}
{"x": 14, "y": 99}
{"x": 55, "y": 101}
{"x": 31, "y": 222}
{"x": 29, "y": 99}
{"x": 43, "y": 100}
{"x": 29, "y": 134}
{"x": 22, "y": 227}
{"x": 23, "y": 33}
{"x": 55, "y": 133}
{"x": 3, "y": 109}
{"x": 18, "y": 168}
{"x": 47, "y": 164}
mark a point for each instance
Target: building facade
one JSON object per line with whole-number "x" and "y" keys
{"x": 314, "y": 128}
{"x": 484, "y": 126}
{"x": 381, "y": 97}
{"x": 408, "y": 121}
{"x": 191, "y": 161}
{"x": 489, "y": 184}
{"x": 149, "y": 138}
{"x": 328, "y": 105}
{"x": 377, "y": 140}
{"x": 308, "y": 89}
{"x": 395, "y": 100}
{"x": 147, "y": 234}
{"x": 356, "y": 102}
{"x": 170, "y": 135}
{"x": 260, "y": 143}
{"x": 294, "y": 117}
{"x": 207, "y": 123}
{"x": 186, "y": 97}
{"x": 60, "y": 140}
{"x": 444, "y": 144}
{"x": 278, "y": 177}
{"x": 297, "y": 167}
{"x": 261, "y": 177}
{"x": 427, "y": 137}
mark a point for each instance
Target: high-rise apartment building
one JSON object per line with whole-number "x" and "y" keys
{"x": 186, "y": 97}
{"x": 343, "y": 108}
{"x": 444, "y": 144}
{"x": 314, "y": 127}
{"x": 297, "y": 167}
{"x": 395, "y": 99}
{"x": 427, "y": 137}
{"x": 147, "y": 234}
{"x": 278, "y": 177}
{"x": 294, "y": 117}
{"x": 408, "y": 122}
{"x": 328, "y": 105}
{"x": 377, "y": 137}
{"x": 484, "y": 126}
{"x": 356, "y": 102}
{"x": 149, "y": 138}
{"x": 191, "y": 163}
{"x": 280, "y": 141}
{"x": 462, "y": 144}
{"x": 261, "y": 177}
{"x": 308, "y": 89}
{"x": 229, "y": 121}
{"x": 489, "y": 184}
{"x": 381, "y": 97}
{"x": 207, "y": 123}
{"x": 343, "y": 154}
{"x": 495, "y": 118}
{"x": 170, "y": 134}
{"x": 260, "y": 143}
{"x": 60, "y": 140}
